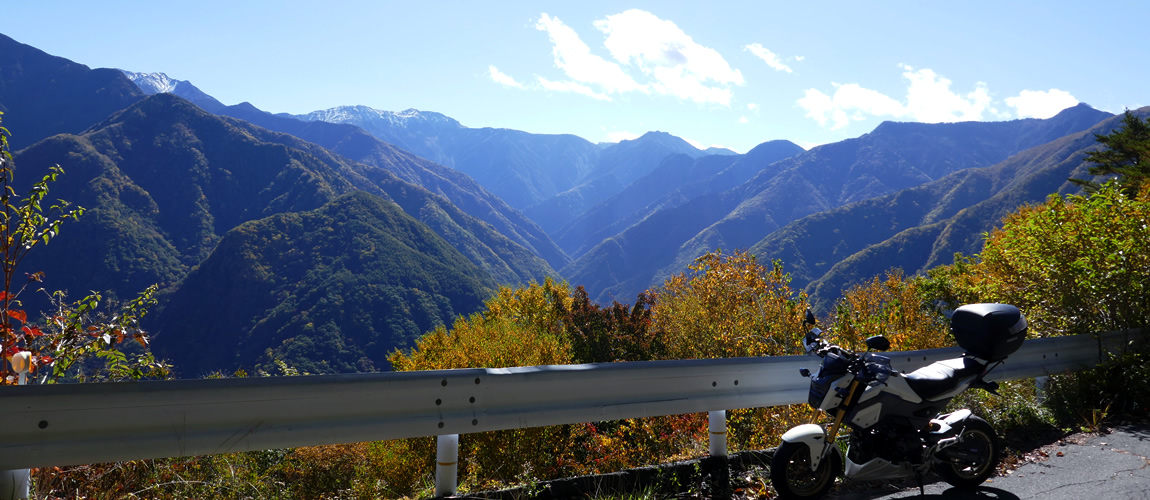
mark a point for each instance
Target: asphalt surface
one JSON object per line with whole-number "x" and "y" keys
{"x": 1114, "y": 465}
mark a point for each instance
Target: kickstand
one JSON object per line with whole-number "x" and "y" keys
{"x": 921, "y": 489}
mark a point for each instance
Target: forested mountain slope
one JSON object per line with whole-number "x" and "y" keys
{"x": 895, "y": 156}
{"x": 923, "y": 227}
{"x": 330, "y": 290}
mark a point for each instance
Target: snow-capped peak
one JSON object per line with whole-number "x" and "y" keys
{"x": 152, "y": 83}
{"x": 362, "y": 115}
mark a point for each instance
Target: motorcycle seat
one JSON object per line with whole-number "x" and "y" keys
{"x": 942, "y": 377}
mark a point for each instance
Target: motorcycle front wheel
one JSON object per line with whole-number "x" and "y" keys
{"x": 973, "y": 459}
{"x": 792, "y": 476}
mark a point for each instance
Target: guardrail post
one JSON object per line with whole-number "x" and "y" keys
{"x": 14, "y": 483}
{"x": 446, "y": 464}
{"x": 717, "y": 422}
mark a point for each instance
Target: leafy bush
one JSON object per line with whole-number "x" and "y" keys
{"x": 895, "y": 307}
{"x": 729, "y": 306}
{"x": 1074, "y": 265}
{"x": 725, "y": 306}
{"x": 75, "y": 341}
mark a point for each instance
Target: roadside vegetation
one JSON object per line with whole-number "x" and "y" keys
{"x": 1074, "y": 264}
{"x": 76, "y": 340}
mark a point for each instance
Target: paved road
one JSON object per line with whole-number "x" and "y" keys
{"x": 1109, "y": 466}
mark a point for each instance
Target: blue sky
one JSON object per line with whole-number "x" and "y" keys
{"x": 730, "y": 74}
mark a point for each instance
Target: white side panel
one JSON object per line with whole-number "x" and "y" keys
{"x": 868, "y": 416}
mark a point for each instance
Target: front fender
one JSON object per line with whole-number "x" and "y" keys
{"x": 811, "y": 435}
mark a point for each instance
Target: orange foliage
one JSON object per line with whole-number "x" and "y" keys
{"x": 729, "y": 306}
{"x": 892, "y": 307}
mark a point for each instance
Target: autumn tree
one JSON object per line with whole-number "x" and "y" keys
{"x": 618, "y": 332}
{"x": 518, "y": 327}
{"x": 729, "y": 306}
{"x": 893, "y": 306}
{"x": 733, "y": 306}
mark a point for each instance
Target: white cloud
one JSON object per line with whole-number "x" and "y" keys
{"x": 864, "y": 101}
{"x": 659, "y": 49}
{"x": 651, "y": 55}
{"x": 768, "y": 57}
{"x": 1040, "y": 103}
{"x": 502, "y": 78}
{"x": 583, "y": 68}
{"x": 820, "y": 107}
{"x": 569, "y": 86}
{"x": 743, "y": 119}
{"x": 800, "y": 58}
{"x": 621, "y": 135}
{"x": 752, "y": 106}
{"x": 928, "y": 99}
{"x": 698, "y": 145}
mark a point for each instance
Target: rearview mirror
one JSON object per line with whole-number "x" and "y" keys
{"x": 810, "y": 319}
{"x": 878, "y": 343}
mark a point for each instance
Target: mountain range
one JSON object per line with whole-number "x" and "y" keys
{"x": 552, "y": 178}
{"x": 164, "y": 183}
{"x": 328, "y": 239}
{"x": 895, "y": 156}
{"x": 924, "y": 226}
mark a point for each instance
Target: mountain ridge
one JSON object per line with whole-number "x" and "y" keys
{"x": 44, "y": 94}
{"x": 358, "y": 145}
{"x": 892, "y": 158}
{"x": 945, "y": 227}
{"x": 531, "y": 172}
{"x": 338, "y": 308}
{"x": 675, "y": 180}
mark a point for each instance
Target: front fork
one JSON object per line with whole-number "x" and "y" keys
{"x": 820, "y": 441}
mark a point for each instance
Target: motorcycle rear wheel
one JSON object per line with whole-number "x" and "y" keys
{"x": 973, "y": 459}
{"x": 792, "y": 476}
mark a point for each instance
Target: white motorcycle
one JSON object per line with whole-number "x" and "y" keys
{"x": 895, "y": 429}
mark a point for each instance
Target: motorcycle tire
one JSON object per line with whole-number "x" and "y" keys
{"x": 973, "y": 459}
{"x": 792, "y": 476}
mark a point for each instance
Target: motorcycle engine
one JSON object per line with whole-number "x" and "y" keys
{"x": 890, "y": 441}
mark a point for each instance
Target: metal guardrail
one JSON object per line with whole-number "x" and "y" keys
{"x": 56, "y": 425}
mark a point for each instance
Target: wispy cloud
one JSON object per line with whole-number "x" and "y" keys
{"x": 582, "y": 67}
{"x": 569, "y": 86}
{"x": 502, "y": 78}
{"x": 671, "y": 59}
{"x": 1040, "y": 103}
{"x": 768, "y": 57}
{"x": 929, "y": 98}
{"x": 648, "y": 55}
